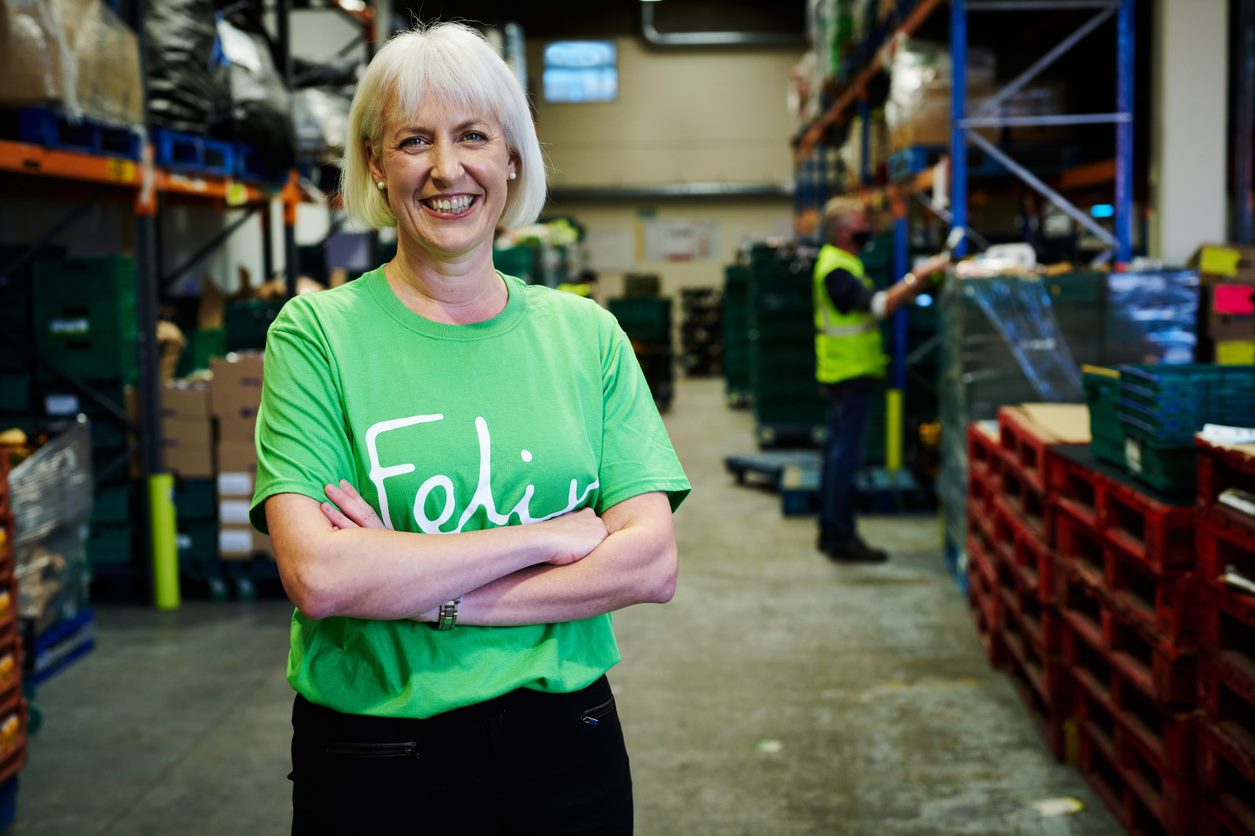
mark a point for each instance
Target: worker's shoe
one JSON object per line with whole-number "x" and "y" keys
{"x": 855, "y": 552}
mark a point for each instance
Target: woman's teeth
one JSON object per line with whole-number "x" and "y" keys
{"x": 451, "y": 205}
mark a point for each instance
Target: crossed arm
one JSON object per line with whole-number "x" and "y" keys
{"x": 340, "y": 560}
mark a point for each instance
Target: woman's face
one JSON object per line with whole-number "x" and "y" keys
{"x": 446, "y": 173}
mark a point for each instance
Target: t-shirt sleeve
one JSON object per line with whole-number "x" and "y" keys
{"x": 637, "y": 456}
{"x": 302, "y": 441}
{"x": 847, "y": 293}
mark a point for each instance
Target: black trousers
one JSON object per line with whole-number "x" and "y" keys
{"x": 524, "y": 763}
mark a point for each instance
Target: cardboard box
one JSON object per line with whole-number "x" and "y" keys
{"x": 237, "y": 542}
{"x": 43, "y": 44}
{"x": 237, "y": 469}
{"x": 1224, "y": 327}
{"x": 1235, "y": 352}
{"x": 1232, "y": 263}
{"x": 190, "y": 461}
{"x": 236, "y": 388}
{"x": 185, "y": 400}
{"x": 242, "y": 430}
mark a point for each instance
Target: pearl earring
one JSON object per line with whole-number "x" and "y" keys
{"x": 380, "y": 185}
{"x": 514, "y": 175}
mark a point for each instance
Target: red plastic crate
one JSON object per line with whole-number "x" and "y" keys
{"x": 1086, "y": 659}
{"x": 1165, "y": 737}
{"x": 13, "y": 746}
{"x": 1074, "y": 486}
{"x": 1031, "y": 553}
{"x": 1216, "y": 821}
{"x": 1025, "y": 449}
{"x": 980, "y": 495}
{"x": 1221, "y": 468}
{"x": 1220, "y": 547}
{"x": 1164, "y": 605}
{"x": 983, "y": 455}
{"x": 1160, "y": 535}
{"x": 1227, "y": 776}
{"x": 1227, "y": 698}
{"x": 1157, "y": 799}
{"x": 1227, "y": 627}
{"x": 986, "y": 604}
{"x": 1082, "y": 545}
{"x": 1093, "y": 712}
{"x": 1079, "y": 602}
{"x": 1100, "y": 767}
{"x": 1045, "y": 692}
{"x": 1021, "y": 500}
{"x": 1164, "y": 672}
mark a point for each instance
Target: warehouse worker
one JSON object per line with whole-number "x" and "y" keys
{"x": 463, "y": 475}
{"x": 850, "y": 361}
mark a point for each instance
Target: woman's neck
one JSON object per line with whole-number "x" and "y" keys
{"x": 454, "y": 292}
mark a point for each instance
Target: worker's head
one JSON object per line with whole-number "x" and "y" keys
{"x": 846, "y": 224}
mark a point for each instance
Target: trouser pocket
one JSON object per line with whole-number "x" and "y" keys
{"x": 353, "y": 750}
{"x": 593, "y": 716}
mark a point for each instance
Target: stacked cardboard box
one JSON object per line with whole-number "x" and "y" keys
{"x": 235, "y": 396}
{"x": 1228, "y": 275}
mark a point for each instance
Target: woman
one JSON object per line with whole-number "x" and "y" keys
{"x": 456, "y": 683}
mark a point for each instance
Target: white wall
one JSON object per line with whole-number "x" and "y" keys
{"x": 1188, "y": 135}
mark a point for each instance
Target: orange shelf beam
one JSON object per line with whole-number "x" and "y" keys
{"x": 855, "y": 88}
{"x": 23, "y": 158}
{"x": 1085, "y": 176}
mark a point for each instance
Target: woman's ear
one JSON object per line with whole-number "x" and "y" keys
{"x": 372, "y": 163}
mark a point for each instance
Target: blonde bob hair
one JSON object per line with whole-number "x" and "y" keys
{"x": 454, "y": 64}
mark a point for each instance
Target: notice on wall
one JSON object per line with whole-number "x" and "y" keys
{"x": 671, "y": 240}
{"x": 610, "y": 249}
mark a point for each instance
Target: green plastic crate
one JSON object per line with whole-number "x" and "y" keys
{"x": 111, "y": 504}
{"x": 247, "y": 321}
{"x": 15, "y": 392}
{"x": 1170, "y": 470}
{"x": 197, "y": 543}
{"x": 519, "y": 262}
{"x": 203, "y": 345}
{"x": 110, "y": 545}
{"x": 195, "y": 500}
{"x": 84, "y": 317}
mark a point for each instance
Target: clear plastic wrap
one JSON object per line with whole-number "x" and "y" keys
{"x": 918, "y": 108}
{"x": 257, "y": 108}
{"x": 1012, "y": 339}
{"x": 321, "y": 119}
{"x": 52, "y": 503}
{"x": 179, "y": 43}
{"x": 74, "y": 54}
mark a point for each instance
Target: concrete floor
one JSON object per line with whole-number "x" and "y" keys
{"x": 777, "y": 694}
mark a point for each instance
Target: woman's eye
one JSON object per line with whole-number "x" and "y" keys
{"x": 412, "y": 142}
{"x": 475, "y": 136}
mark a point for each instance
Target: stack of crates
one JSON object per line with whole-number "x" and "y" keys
{"x": 85, "y": 323}
{"x": 736, "y": 334}
{"x": 196, "y": 513}
{"x": 19, "y": 400}
{"x": 1102, "y": 391}
{"x": 13, "y": 709}
{"x": 788, "y": 406}
{"x": 1162, "y": 407}
{"x": 1226, "y": 558}
{"x": 647, "y": 322}
{"x": 1011, "y": 565}
{"x": 1083, "y": 584}
{"x": 701, "y": 331}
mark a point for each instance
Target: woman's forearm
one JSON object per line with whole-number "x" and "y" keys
{"x": 638, "y": 563}
{"x": 383, "y": 574}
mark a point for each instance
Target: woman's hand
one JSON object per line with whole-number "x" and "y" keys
{"x": 347, "y": 509}
{"x": 573, "y": 535}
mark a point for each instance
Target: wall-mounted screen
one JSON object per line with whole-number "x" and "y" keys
{"x": 581, "y": 71}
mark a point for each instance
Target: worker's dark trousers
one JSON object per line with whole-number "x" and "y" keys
{"x": 524, "y": 763}
{"x": 846, "y": 428}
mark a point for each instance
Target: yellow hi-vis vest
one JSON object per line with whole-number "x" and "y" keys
{"x": 846, "y": 345}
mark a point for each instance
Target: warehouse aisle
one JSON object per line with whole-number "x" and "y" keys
{"x": 777, "y": 694}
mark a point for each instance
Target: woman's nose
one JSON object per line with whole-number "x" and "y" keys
{"x": 446, "y": 165}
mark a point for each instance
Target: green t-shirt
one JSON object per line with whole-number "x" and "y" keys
{"x": 444, "y": 428}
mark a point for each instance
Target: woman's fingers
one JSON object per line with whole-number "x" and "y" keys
{"x": 337, "y": 518}
{"x": 350, "y": 502}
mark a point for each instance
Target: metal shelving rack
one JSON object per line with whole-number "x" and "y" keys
{"x": 1120, "y": 245}
{"x": 147, "y": 186}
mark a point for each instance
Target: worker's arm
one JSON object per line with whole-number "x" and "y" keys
{"x": 373, "y": 572}
{"x": 849, "y": 294}
{"x": 637, "y": 563}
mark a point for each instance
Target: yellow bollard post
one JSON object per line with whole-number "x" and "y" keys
{"x": 165, "y": 554}
{"x": 893, "y": 429}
